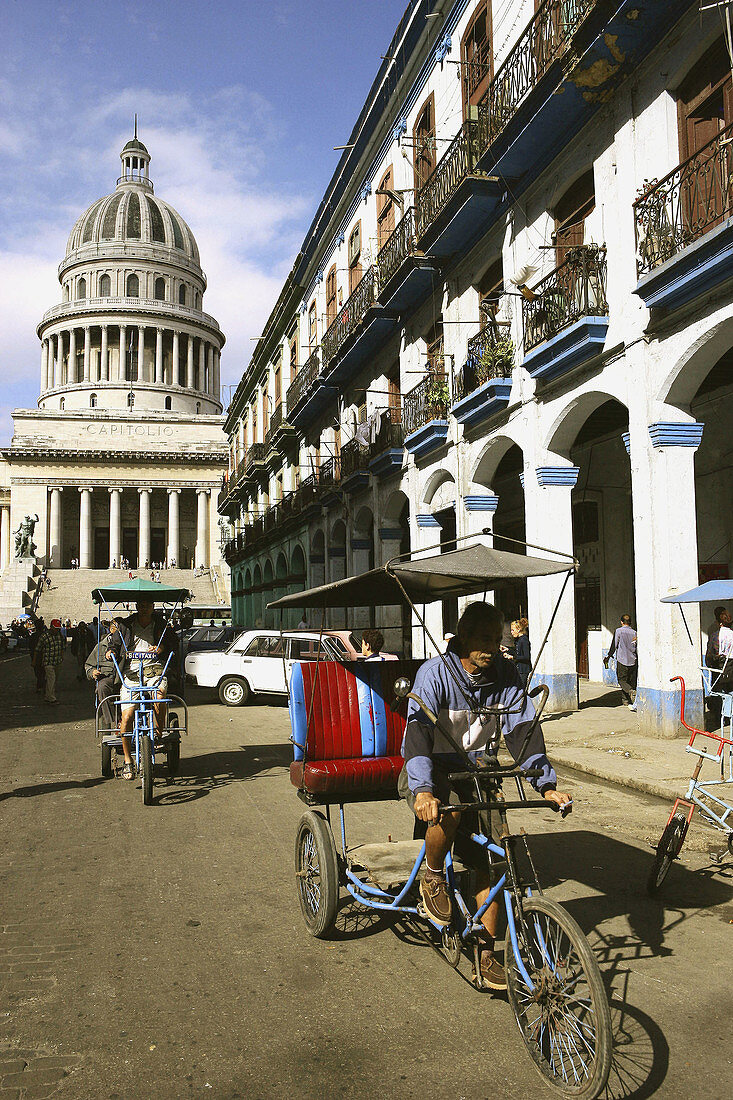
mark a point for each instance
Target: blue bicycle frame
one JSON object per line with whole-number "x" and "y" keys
{"x": 143, "y": 723}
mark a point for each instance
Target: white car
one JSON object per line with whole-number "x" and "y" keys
{"x": 261, "y": 660}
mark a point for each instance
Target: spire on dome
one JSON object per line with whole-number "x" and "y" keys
{"x": 135, "y": 162}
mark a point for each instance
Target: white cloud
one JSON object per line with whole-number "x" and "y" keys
{"x": 210, "y": 161}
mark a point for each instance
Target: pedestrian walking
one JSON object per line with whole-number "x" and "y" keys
{"x": 623, "y": 647}
{"x": 50, "y": 653}
{"x": 34, "y": 637}
{"x": 522, "y": 655}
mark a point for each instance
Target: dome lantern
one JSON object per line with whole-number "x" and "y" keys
{"x": 135, "y": 163}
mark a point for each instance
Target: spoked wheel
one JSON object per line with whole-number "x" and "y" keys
{"x": 316, "y": 870}
{"x": 730, "y": 844}
{"x": 667, "y": 850}
{"x": 146, "y": 762}
{"x": 106, "y": 760}
{"x": 173, "y": 757}
{"x": 564, "y": 1020}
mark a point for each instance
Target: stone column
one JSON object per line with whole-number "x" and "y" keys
{"x": 217, "y": 375}
{"x": 87, "y": 353}
{"x": 44, "y": 365}
{"x": 202, "y": 367}
{"x": 85, "y": 529}
{"x": 210, "y": 379}
{"x": 202, "y": 528}
{"x": 189, "y": 364}
{"x": 51, "y": 362}
{"x": 4, "y": 537}
{"x": 55, "y": 552}
{"x": 141, "y": 354}
{"x": 59, "y": 372}
{"x": 143, "y": 545}
{"x": 173, "y": 495}
{"x": 104, "y": 357}
{"x": 665, "y": 561}
{"x": 174, "y": 361}
{"x": 115, "y": 529}
{"x": 121, "y": 362}
{"x": 71, "y": 369}
{"x": 547, "y": 496}
{"x": 159, "y": 357}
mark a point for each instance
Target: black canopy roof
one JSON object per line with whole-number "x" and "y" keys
{"x": 463, "y": 572}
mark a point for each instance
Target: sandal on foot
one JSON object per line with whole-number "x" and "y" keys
{"x": 128, "y": 771}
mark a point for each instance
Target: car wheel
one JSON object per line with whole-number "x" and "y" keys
{"x": 233, "y": 691}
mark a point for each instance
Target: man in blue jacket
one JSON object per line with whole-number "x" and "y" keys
{"x": 456, "y": 687}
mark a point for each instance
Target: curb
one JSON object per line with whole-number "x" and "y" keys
{"x": 644, "y": 786}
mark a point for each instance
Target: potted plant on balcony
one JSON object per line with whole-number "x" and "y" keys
{"x": 496, "y": 360}
{"x": 436, "y": 394}
{"x": 654, "y": 230}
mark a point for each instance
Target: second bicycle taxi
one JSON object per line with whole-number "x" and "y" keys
{"x": 148, "y": 744}
{"x": 348, "y": 720}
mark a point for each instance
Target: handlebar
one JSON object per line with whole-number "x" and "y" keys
{"x": 490, "y": 775}
{"x": 144, "y": 655}
{"x": 510, "y": 804}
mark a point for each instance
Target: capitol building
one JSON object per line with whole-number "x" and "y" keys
{"x": 124, "y": 455}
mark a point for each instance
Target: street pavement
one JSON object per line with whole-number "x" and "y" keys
{"x": 159, "y": 951}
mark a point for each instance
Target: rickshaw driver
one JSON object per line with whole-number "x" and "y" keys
{"x": 488, "y": 680}
{"x": 145, "y": 631}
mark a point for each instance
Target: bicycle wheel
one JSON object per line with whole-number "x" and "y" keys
{"x": 668, "y": 849}
{"x": 146, "y": 761}
{"x": 173, "y": 756}
{"x": 316, "y": 869}
{"x": 106, "y": 760}
{"x": 565, "y": 1021}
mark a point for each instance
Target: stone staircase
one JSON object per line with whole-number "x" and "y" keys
{"x": 70, "y": 594}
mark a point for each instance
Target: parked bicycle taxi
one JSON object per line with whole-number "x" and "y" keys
{"x": 348, "y": 721}
{"x": 716, "y": 746}
{"x": 146, "y": 661}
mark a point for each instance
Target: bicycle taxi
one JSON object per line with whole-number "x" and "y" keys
{"x": 149, "y": 746}
{"x": 348, "y": 722}
{"x": 713, "y": 745}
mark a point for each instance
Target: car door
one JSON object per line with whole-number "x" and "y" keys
{"x": 263, "y": 663}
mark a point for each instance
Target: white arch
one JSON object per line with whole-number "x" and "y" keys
{"x": 439, "y": 491}
{"x": 491, "y": 456}
{"x": 686, "y": 376}
{"x": 570, "y": 420}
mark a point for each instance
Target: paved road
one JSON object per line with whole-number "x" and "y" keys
{"x": 159, "y": 952}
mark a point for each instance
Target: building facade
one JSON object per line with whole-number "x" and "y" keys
{"x": 512, "y": 318}
{"x": 124, "y": 455}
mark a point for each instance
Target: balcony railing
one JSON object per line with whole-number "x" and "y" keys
{"x": 457, "y": 162}
{"x": 575, "y": 289}
{"x": 427, "y": 401}
{"x": 350, "y": 315}
{"x": 390, "y": 434}
{"x": 490, "y": 354}
{"x": 545, "y": 38}
{"x": 399, "y": 245}
{"x": 478, "y": 67}
{"x": 329, "y": 473}
{"x": 304, "y": 379}
{"x": 275, "y": 424}
{"x": 354, "y": 458}
{"x": 694, "y": 198}
{"x": 255, "y": 456}
{"x": 306, "y": 493}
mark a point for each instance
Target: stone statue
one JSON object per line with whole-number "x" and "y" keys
{"x": 224, "y": 532}
{"x": 25, "y": 547}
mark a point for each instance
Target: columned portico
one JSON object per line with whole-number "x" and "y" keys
{"x": 202, "y": 528}
{"x": 104, "y": 357}
{"x": 55, "y": 549}
{"x": 121, "y": 360}
{"x": 173, "y": 524}
{"x": 87, "y": 353}
{"x": 159, "y": 357}
{"x": 71, "y": 367}
{"x": 115, "y": 527}
{"x": 144, "y": 529}
{"x": 85, "y": 529}
{"x": 202, "y": 366}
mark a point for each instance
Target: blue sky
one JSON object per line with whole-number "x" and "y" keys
{"x": 240, "y": 105}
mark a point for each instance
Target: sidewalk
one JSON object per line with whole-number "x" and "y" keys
{"x": 602, "y": 739}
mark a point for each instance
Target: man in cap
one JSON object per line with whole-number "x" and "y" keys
{"x": 50, "y": 653}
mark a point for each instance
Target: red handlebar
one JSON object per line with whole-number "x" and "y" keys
{"x": 692, "y": 729}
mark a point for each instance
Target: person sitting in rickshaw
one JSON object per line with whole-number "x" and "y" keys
{"x": 470, "y": 676}
{"x": 145, "y": 631}
{"x": 103, "y": 674}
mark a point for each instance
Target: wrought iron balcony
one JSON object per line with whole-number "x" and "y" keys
{"x": 399, "y": 245}
{"x": 329, "y": 473}
{"x": 681, "y": 208}
{"x": 490, "y": 354}
{"x": 575, "y": 289}
{"x": 390, "y": 435}
{"x": 545, "y": 38}
{"x": 304, "y": 379}
{"x": 354, "y": 458}
{"x": 306, "y": 495}
{"x": 255, "y": 459}
{"x": 427, "y": 401}
{"x": 458, "y": 162}
{"x": 350, "y": 315}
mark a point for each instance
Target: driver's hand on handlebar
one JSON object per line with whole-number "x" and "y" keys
{"x": 561, "y": 801}
{"x": 426, "y": 807}
{"x": 97, "y": 673}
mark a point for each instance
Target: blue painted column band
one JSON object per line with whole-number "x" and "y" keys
{"x": 481, "y": 503}
{"x": 393, "y": 533}
{"x": 668, "y": 434}
{"x": 427, "y": 521}
{"x": 557, "y": 475}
